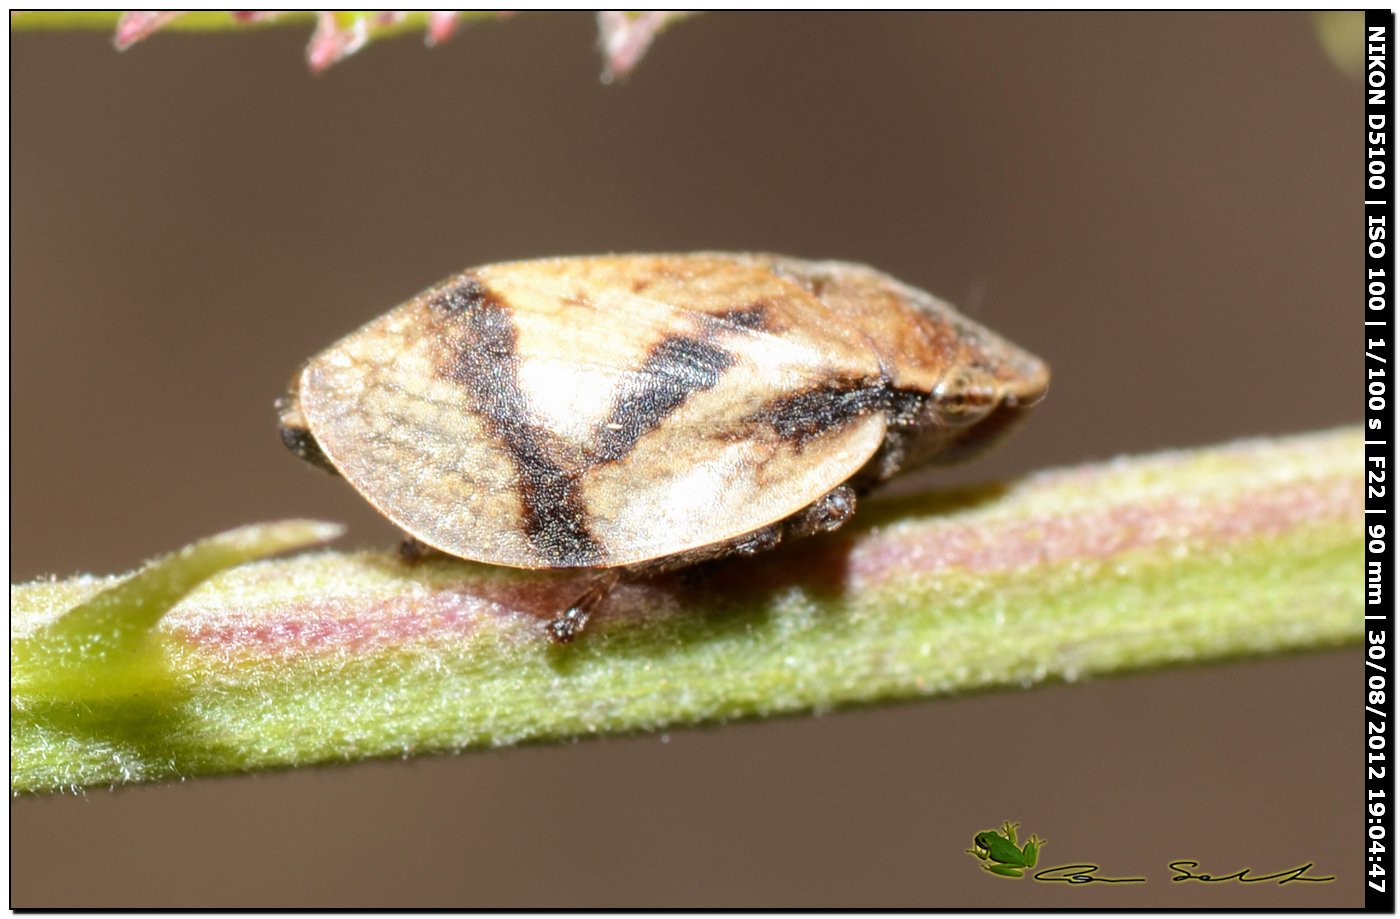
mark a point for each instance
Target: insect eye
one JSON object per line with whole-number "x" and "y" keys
{"x": 962, "y": 398}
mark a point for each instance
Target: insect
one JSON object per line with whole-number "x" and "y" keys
{"x": 636, "y": 414}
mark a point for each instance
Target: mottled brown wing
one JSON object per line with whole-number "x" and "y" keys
{"x": 595, "y": 411}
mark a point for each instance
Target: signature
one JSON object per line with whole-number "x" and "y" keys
{"x": 1243, "y": 875}
{"x": 1080, "y": 874}
{"x": 1087, "y": 873}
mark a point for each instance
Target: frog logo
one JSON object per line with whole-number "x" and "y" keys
{"x": 999, "y": 851}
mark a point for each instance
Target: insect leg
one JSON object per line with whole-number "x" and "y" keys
{"x": 825, "y": 514}
{"x": 565, "y": 627}
{"x": 759, "y": 541}
{"x": 411, "y": 551}
{"x": 297, "y": 436}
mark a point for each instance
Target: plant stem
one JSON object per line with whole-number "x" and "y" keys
{"x": 211, "y": 20}
{"x": 1249, "y": 548}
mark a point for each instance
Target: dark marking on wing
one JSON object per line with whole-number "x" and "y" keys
{"x": 753, "y": 318}
{"x": 801, "y": 416}
{"x": 676, "y": 367}
{"x": 459, "y": 299}
{"x": 483, "y": 360}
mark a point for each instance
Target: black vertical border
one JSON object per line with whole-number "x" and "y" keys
{"x": 1379, "y": 862}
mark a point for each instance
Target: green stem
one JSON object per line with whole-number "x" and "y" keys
{"x": 1250, "y": 548}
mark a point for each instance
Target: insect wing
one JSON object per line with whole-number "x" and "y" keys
{"x": 604, "y": 411}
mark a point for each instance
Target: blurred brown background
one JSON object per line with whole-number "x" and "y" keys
{"x": 1165, "y": 206}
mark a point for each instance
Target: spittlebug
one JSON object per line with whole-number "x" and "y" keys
{"x": 641, "y": 413}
